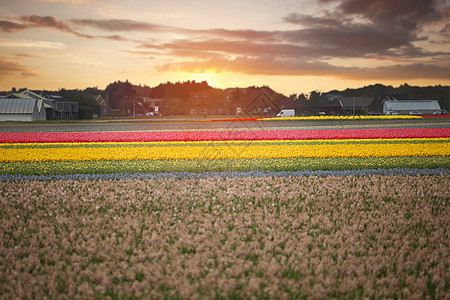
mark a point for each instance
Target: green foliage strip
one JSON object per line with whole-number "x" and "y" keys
{"x": 275, "y": 164}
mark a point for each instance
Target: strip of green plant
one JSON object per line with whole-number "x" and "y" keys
{"x": 275, "y": 164}
{"x": 221, "y": 143}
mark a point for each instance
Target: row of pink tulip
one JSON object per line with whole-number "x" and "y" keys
{"x": 158, "y": 136}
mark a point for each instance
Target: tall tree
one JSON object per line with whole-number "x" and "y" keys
{"x": 120, "y": 95}
{"x": 88, "y": 106}
{"x": 315, "y": 96}
{"x": 443, "y": 97}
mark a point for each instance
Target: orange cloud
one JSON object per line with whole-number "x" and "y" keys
{"x": 12, "y": 68}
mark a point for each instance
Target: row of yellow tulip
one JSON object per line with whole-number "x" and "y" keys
{"x": 223, "y": 150}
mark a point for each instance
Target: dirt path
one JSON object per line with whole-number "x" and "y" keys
{"x": 183, "y": 124}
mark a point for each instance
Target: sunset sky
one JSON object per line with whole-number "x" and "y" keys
{"x": 294, "y": 46}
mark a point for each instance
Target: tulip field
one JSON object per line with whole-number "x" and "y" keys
{"x": 38, "y": 153}
{"x": 226, "y": 213}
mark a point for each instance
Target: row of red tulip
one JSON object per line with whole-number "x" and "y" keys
{"x": 156, "y": 136}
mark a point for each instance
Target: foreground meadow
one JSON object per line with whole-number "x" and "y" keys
{"x": 270, "y": 237}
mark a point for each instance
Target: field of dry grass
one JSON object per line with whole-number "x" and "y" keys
{"x": 270, "y": 237}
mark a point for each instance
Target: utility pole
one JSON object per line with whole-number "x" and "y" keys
{"x": 353, "y": 107}
{"x": 123, "y": 105}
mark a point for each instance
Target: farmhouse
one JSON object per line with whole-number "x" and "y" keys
{"x": 204, "y": 102}
{"x": 64, "y": 109}
{"x": 148, "y": 106}
{"x": 257, "y": 100}
{"x": 406, "y": 107}
{"x": 102, "y": 102}
{"x": 388, "y": 97}
{"x": 22, "y": 109}
{"x": 357, "y": 105}
{"x": 57, "y": 107}
{"x": 322, "y": 107}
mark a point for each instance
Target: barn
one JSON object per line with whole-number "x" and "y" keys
{"x": 22, "y": 109}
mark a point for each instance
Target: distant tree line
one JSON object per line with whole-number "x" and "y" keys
{"x": 121, "y": 93}
{"x": 438, "y": 92}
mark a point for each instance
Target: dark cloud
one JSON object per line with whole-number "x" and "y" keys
{"x": 115, "y": 37}
{"x": 372, "y": 28}
{"x": 307, "y": 44}
{"x": 307, "y": 51}
{"x": 35, "y": 21}
{"x": 50, "y": 22}
{"x": 8, "y": 26}
{"x": 404, "y": 14}
{"x": 11, "y": 68}
{"x": 124, "y": 25}
{"x": 345, "y": 33}
{"x": 346, "y": 38}
{"x": 316, "y": 21}
{"x": 119, "y": 25}
{"x": 227, "y": 48}
{"x": 358, "y": 40}
{"x": 249, "y": 35}
{"x": 321, "y": 37}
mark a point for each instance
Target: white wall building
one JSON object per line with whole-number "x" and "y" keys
{"x": 22, "y": 110}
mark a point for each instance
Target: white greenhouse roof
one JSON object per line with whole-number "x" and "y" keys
{"x": 412, "y": 105}
{"x": 17, "y": 106}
